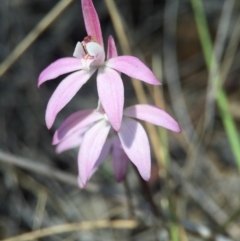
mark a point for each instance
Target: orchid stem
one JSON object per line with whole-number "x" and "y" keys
{"x": 129, "y": 198}
{"x": 147, "y": 194}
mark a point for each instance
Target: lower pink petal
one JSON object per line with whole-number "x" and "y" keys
{"x": 153, "y": 115}
{"x": 111, "y": 95}
{"x": 64, "y": 93}
{"x": 134, "y": 68}
{"x": 91, "y": 148}
{"x": 135, "y": 143}
{"x": 120, "y": 160}
{"x": 70, "y": 142}
{"x": 80, "y": 184}
{"x": 59, "y": 67}
{"x": 103, "y": 155}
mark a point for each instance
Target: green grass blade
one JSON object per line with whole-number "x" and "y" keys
{"x": 221, "y": 98}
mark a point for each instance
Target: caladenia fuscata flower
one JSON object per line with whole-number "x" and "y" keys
{"x": 89, "y": 56}
{"x": 109, "y": 129}
{"x": 92, "y": 130}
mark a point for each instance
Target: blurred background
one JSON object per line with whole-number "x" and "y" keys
{"x": 192, "y": 46}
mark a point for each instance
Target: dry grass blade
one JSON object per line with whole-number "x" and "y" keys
{"x": 65, "y": 228}
{"x": 42, "y": 169}
{"x": 231, "y": 50}
{"x": 213, "y": 81}
{"x": 172, "y": 70}
{"x": 137, "y": 85}
{"x": 36, "y": 167}
{"x": 33, "y": 35}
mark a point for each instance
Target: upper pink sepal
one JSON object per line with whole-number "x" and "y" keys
{"x": 112, "y": 50}
{"x": 111, "y": 95}
{"x": 59, "y": 67}
{"x": 135, "y": 143}
{"x": 120, "y": 160}
{"x": 134, "y": 68}
{"x": 153, "y": 115}
{"x": 91, "y": 148}
{"x": 91, "y": 21}
{"x": 76, "y": 121}
{"x": 79, "y": 51}
{"x": 64, "y": 93}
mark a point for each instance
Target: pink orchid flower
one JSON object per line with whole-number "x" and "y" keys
{"x": 95, "y": 146}
{"x": 89, "y": 56}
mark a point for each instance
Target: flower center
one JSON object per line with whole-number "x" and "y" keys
{"x": 105, "y": 117}
{"x": 90, "y": 52}
{"x": 84, "y": 43}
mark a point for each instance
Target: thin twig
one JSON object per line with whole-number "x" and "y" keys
{"x": 198, "y": 195}
{"x": 37, "y": 167}
{"x": 40, "y": 209}
{"x": 231, "y": 50}
{"x": 66, "y": 228}
{"x": 46, "y": 170}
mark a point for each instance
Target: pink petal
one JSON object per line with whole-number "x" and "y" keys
{"x": 153, "y": 115}
{"x": 80, "y": 184}
{"x": 112, "y": 50}
{"x": 79, "y": 51}
{"x": 64, "y": 93}
{"x": 100, "y": 108}
{"x": 71, "y": 142}
{"x": 59, "y": 67}
{"x": 135, "y": 143}
{"x": 77, "y": 121}
{"x": 91, "y": 148}
{"x": 86, "y": 63}
{"x": 120, "y": 160}
{"x": 134, "y": 68}
{"x": 91, "y": 21}
{"x": 111, "y": 95}
{"x": 103, "y": 155}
